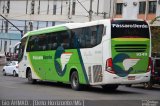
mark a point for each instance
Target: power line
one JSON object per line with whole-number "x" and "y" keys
{"x": 82, "y": 5}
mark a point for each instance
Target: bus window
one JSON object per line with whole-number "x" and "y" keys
{"x": 42, "y": 42}
{"x": 129, "y": 29}
{"x": 74, "y": 40}
{"x": 52, "y": 41}
{"x": 96, "y": 34}
{"x": 86, "y": 37}
{"x": 21, "y": 49}
{"x": 32, "y": 44}
{"x": 63, "y": 39}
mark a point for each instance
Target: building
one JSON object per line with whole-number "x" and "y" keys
{"x": 35, "y": 14}
{"x": 138, "y": 9}
{"x": 30, "y": 15}
{"x": 7, "y": 42}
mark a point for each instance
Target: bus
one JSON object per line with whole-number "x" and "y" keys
{"x": 106, "y": 52}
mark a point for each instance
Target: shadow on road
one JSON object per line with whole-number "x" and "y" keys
{"x": 92, "y": 89}
{"x": 154, "y": 88}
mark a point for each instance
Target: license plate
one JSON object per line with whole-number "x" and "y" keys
{"x": 131, "y": 77}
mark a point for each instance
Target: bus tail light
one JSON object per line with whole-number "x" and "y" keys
{"x": 149, "y": 64}
{"x": 109, "y": 66}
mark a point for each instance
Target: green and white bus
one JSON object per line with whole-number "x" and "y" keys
{"x": 104, "y": 52}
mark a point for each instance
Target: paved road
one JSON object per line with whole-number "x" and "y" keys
{"x": 18, "y": 88}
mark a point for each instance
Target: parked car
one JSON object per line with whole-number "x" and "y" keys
{"x": 11, "y": 68}
{"x": 155, "y": 74}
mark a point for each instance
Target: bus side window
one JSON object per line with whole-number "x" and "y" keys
{"x": 82, "y": 38}
{"x": 75, "y": 40}
{"x": 52, "y": 41}
{"x": 87, "y": 35}
{"x": 35, "y": 45}
{"x": 64, "y": 39}
{"x": 21, "y": 49}
{"x": 93, "y": 38}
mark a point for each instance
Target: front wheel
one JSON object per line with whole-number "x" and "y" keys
{"x": 110, "y": 87}
{"x": 75, "y": 81}
{"x": 30, "y": 79}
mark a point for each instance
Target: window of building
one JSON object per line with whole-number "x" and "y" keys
{"x": 32, "y": 6}
{"x": 119, "y": 8}
{"x": 152, "y": 6}
{"x": 54, "y": 9}
{"x": 142, "y": 7}
{"x": 73, "y": 8}
{"x": 5, "y": 46}
{"x": 39, "y": 3}
{"x": 61, "y": 7}
{"x": 8, "y": 6}
{"x": 10, "y": 50}
{"x": 1, "y": 46}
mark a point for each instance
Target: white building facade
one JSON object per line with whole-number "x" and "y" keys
{"x": 43, "y": 13}
{"x": 138, "y": 9}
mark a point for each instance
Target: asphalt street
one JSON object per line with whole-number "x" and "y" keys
{"x": 15, "y": 88}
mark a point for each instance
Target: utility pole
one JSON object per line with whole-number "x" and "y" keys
{"x": 71, "y": 9}
{"x": 146, "y": 10}
{"x": 48, "y": 8}
{"x": 97, "y": 7}
{"x": 12, "y": 24}
{"x": 90, "y": 11}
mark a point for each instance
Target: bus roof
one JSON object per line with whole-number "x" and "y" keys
{"x": 66, "y": 26}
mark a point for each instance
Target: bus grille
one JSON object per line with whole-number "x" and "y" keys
{"x": 130, "y": 47}
{"x": 97, "y": 73}
{"x": 90, "y": 74}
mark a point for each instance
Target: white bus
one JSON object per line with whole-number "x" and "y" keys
{"x": 105, "y": 52}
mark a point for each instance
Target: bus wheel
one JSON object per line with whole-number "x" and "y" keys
{"x": 128, "y": 85}
{"x": 75, "y": 81}
{"x": 29, "y": 76}
{"x": 110, "y": 87}
{"x": 148, "y": 85}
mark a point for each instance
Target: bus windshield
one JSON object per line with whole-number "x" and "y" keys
{"x": 129, "y": 29}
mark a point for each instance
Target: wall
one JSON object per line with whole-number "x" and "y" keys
{"x": 130, "y": 11}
